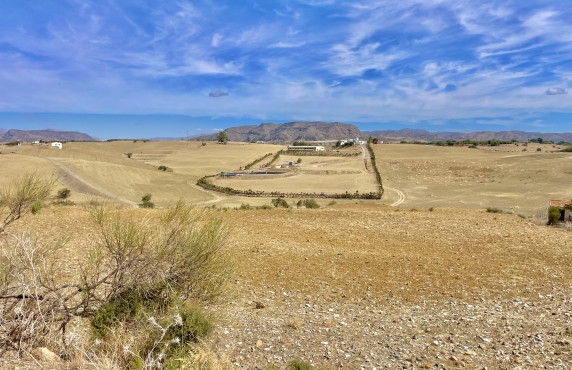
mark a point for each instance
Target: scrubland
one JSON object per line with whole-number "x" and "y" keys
{"x": 437, "y": 282}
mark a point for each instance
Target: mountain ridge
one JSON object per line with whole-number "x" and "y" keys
{"x": 45, "y": 135}
{"x": 319, "y": 130}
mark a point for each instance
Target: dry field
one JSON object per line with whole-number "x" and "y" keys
{"x": 521, "y": 182}
{"x": 372, "y": 286}
{"x": 103, "y": 169}
{"x": 313, "y": 175}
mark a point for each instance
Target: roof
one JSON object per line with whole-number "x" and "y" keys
{"x": 559, "y": 203}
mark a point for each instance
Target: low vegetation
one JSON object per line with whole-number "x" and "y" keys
{"x": 249, "y": 166}
{"x": 64, "y": 193}
{"x": 146, "y": 202}
{"x": 26, "y": 195}
{"x": 147, "y": 279}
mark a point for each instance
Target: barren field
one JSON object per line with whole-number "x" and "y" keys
{"x": 371, "y": 286}
{"x": 313, "y": 175}
{"x": 103, "y": 169}
{"x": 521, "y": 182}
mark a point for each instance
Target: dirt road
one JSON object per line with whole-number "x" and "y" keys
{"x": 76, "y": 183}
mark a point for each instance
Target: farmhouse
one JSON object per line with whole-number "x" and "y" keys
{"x": 307, "y": 148}
{"x": 565, "y": 209}
{"x": 57, "y": 144}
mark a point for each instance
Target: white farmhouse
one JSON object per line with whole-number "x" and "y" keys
{"x": 57, "y": 144}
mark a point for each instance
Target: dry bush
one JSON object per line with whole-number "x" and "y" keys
{"x": 25, "y": 195}
{"x": 177, "y": 256}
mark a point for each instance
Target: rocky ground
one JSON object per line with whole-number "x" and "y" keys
{"x": 371, "y": 286}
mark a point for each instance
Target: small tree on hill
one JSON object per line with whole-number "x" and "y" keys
{"x": 222, "y": 137}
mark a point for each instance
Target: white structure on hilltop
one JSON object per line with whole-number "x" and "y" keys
{"x": 57, "y": 144}
{"x": 307, "y": 148}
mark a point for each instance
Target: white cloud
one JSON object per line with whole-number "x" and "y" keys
{"x": 217, "y": 37}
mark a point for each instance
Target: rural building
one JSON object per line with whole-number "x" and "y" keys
{"x": 307, "y": 148}
{"x": 57, "y": 144}
{"x": 565, "y": 209}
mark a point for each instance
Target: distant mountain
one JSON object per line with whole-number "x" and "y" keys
{"x": 423, "y": 135}
{"x": 2, "y": 131}
{"x": 288, "y": 132}
{"x": 45, "y": 135}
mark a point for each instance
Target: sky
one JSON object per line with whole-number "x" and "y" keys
{"x": 143, "y": 68}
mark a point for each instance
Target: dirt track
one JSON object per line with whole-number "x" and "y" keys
{"x": 75, "y": 183}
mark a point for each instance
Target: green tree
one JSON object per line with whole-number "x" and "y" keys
{"x": 222, "y": 137}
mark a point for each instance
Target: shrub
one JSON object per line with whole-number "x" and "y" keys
{"x": 25, "y": 195}
{"x": 538, "y": 149}
{"x": 554, "y": 215}
{"x": 162, "y": 168}
{"x": 280, "y": 202}
{"x": 299, "y": 160}
{"x": 299, "y": 365}
{"x": 146, "y": 202}
{"x": 311, "y": 203}
{"x": 129, "y": 155}
{"x": 494, "y": 210}
{"x": 64, "y": 193}
{"x": 244, "y": 206}
{"x": 567, "y": 149}
{"x": 13, "y": 143}
{"x": 333, "y": 202}
{"x": 299, "y": 204}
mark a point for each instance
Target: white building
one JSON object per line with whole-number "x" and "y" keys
{"x": 57, "y": 144}
{"x": 307, "y": 148}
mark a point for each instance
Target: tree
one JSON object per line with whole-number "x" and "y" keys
{"x": 222, "y": 137}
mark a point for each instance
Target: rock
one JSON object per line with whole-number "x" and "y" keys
{"x": 45, "y": 354}
{"x": 259, "y": 305}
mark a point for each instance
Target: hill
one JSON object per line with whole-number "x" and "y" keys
{"x": 45, "y": 135}
{"x": 423, "y": 135}
{"x": 289, "y": 132}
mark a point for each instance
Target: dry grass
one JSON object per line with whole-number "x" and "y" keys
{"x": 521, "y": 182}
{"x": 107, "y": 168}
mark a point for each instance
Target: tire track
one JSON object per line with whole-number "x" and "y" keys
{"x": 401, "y": 196}
{"x": 80, "y": 185}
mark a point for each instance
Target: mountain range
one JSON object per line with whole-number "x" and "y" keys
{"x": 317, "y": 131}
{"x": 289, "y": 132}
{"x": 45, "y": 135}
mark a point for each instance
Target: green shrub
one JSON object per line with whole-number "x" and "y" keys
{"x": 162, "y": 168}
{"x": 333, "y": 202}
{"x": 300, "y": 203}
{"x": 299, "y": 365}
{"x": 567, "y": 149}
{"x": 129, "y": 155}
{"x": 146, "y": 202}
{"x": 538, "y": 149}
{"x": 280, "y": 202}
{"x": 115, "y": 311}
{"x": 554, "y": 215}
{"x": 64, "y": 193}
{"x": 244, "y": 206}
{"x": 494, "y": 210}
{"x": 13, "y": 143}
{"x": 311, "y": 203}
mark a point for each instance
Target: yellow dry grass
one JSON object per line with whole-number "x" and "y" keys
{"x": 317, "y": 174}
{"x": 521, "y": 182}
{"x": 105, "y": 166}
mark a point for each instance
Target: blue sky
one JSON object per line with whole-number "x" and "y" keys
{"x": 135, "y": 68}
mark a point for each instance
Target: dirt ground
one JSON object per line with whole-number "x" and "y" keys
{"x": 520, "y": 182}
{"x": 372, "y": 286}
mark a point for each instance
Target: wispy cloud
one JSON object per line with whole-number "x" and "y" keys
{"x": 399, "y": 60}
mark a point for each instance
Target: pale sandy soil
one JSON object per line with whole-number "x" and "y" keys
{"x": 520, "y": 182}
